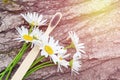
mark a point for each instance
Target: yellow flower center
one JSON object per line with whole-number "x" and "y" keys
{"x": 49, "y": 50}
{"x": 28, "y": 38}
{"x": 60, "y": 58}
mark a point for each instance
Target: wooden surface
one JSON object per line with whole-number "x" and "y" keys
{"x": 99, "y": 29}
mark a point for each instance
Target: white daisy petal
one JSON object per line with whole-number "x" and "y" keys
{"x": 54, "y": 58}
{"x": 75, "y": 64}
{"x": 50, "y": 47}
{"x": 61, "y": 61}
{"x": 34, "y": 19}
{"x": 75, "y": 40}
{"x": 33, "y": 37}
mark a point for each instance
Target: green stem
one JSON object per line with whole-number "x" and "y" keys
{"x": 45, "y": 64}
{"x": 31, "y": 28}
{"x": 37, "y": 61}
{"x": 3, "y": 74}
{"x": 20, "y": 54}
{"x": 70, "y": 46}
{"x": 7, "y": 76}
{"x": 14, "y": 62}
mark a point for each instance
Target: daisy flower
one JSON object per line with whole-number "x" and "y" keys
{"x": 75, "y": 41}
{"x": 24, "y": 35}
{"x": 34, "y": 19}
{"x": 50, "y": 47}
{"x": 75, "y": 64}
{"x": 61, "y": 61}
{"x": 37, "y": 35}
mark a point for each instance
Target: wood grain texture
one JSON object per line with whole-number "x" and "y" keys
{"x": 98, "y": 29}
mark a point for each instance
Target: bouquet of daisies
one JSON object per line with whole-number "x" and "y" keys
{"x": 42, "y": 43}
